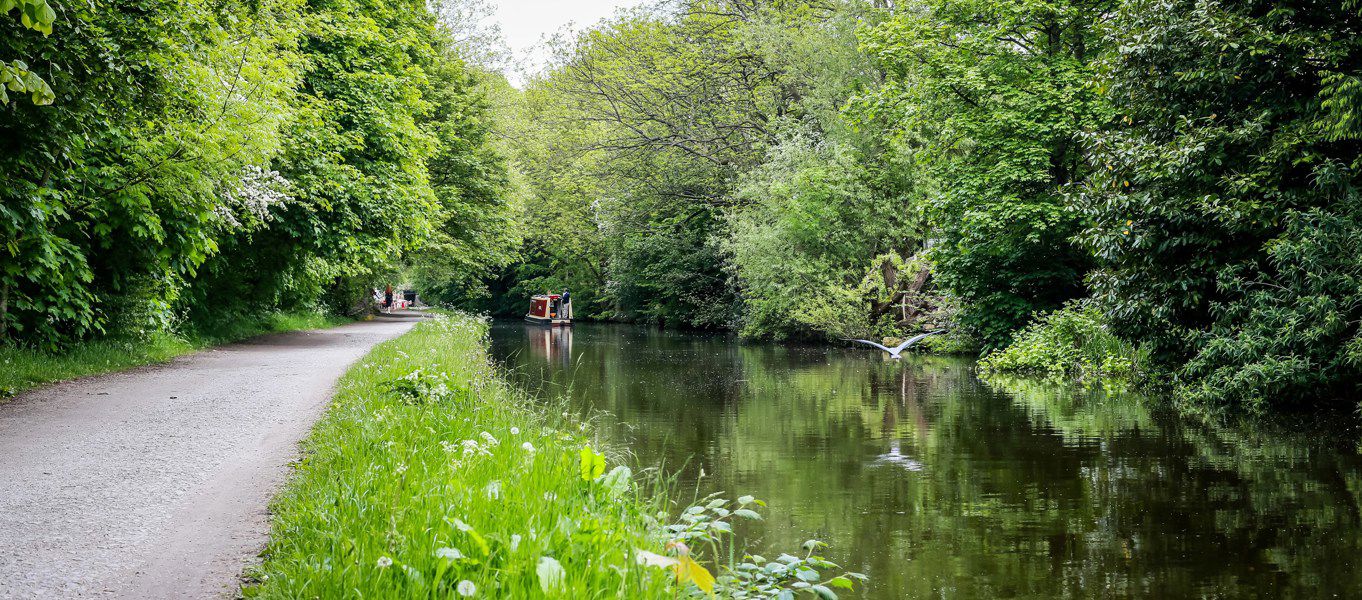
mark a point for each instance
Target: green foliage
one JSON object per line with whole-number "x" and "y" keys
{"x": 204, "y": 160}
{"x": 808, "y": 229}
{"x": 988, "y": 99}
{"x": 15, "y": 75}
{"x": 1072, "y": 342}
{"x": 1226, "y": 194}
{"x": 464, "y": 481}
{"x": 112, "y": 196}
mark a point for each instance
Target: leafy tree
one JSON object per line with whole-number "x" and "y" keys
{"x": 988, "y": 100}
{"x": 1224, "y": 207}
{"x": 112, "y": 196}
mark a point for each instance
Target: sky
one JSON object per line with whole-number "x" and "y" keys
{"x": 525, "y": 22}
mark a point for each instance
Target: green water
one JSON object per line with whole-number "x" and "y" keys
{"x": 940, "y": 485}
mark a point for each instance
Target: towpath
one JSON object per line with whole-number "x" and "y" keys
{"x": 154, "y": 483}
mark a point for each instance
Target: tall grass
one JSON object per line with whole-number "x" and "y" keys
{"x": 431, "y": 476}
{"x": 26, "y": 368}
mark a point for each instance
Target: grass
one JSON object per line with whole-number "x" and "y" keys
{"x": 431, "y": 476}
{"x": 26, "y": 368}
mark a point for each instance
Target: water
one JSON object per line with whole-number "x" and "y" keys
{"x": 939, "y": 485}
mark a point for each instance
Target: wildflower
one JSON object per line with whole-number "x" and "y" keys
{"x": 515, "y": 542}
{"x": 491, "y": 441}
{"x": 449, "y": 553}
{"x": 384, "y": 562}
{"x": 470, "y": 447}
{"x": 401, "y": 468}
{"x": 550, "y": 574}
{"x": 461, "y": 526}
{"x": 466, "y": 588}
{"x": 515, "y": 431}
{"x": 493, "y": 490}
{"x": 528, "y": 447}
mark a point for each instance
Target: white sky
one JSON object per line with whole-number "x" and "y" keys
{"x": 525, "y": 22}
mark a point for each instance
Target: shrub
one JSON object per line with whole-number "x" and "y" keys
{"x": 1071, "y": 342}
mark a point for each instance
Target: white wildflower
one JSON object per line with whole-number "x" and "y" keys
{"x": 550, "y": 574}
{"x": 528, "y": 447}
{"x": 461, "y": 526}
{"x": 493, "y": 490}
{"x": 401, "y": 468}
{"x": 515, "y": 431}
{"x": 491, "y": 441}
{"x": 466, "y": 588}
{"x": 384, "y": 562}
{"x": 449, "y": 553}
{"x": 515, "y": 542}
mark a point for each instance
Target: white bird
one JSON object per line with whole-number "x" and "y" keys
{"x": 894, "y": 352}
{"x": 897, "y": 458}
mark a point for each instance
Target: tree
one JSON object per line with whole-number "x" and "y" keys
{"x": 988, "y": 101}
{"x": 1225, "y": 194}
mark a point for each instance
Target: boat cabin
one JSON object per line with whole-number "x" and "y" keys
{"x": 549, "y": 309}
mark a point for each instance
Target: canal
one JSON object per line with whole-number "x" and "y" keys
{"x": 938, "y": 484}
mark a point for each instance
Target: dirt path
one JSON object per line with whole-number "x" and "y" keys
{"x": 153, "y": 483}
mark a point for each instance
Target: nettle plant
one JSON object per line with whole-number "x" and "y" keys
{"x": 709, "y": 525}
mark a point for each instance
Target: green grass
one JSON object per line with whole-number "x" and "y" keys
{"x": 430, "y": 470}
{"x": 432, "y": 476}
{"x": 25, "y": 368}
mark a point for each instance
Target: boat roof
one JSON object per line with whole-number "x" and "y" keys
{"x": 548, "y": 295}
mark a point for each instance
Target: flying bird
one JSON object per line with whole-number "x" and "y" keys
{"x": 894, "y": 352}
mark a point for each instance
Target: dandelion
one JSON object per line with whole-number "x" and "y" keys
{"x": 515, "y": 431}
{"x": 449, "y": 553}
{"x": 384, "y": 562}
{"x": 466, "y": 588}
{"x": 528, "y": 447}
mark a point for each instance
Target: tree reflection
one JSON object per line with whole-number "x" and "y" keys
{"x": 1016, "y": 488}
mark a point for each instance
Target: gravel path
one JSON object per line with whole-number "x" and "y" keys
{"x": 153, "y": 483}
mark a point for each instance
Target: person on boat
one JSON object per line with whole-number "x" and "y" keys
{"x": 564, "y": 303}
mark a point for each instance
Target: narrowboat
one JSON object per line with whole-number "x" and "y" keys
{"x": 549, "y": 309}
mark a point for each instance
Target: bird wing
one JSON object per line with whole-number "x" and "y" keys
{"x": 875, "y": 345}
{"x": 915, "y": 339}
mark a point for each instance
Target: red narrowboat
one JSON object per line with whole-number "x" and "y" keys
{"x": 549, "y": 309}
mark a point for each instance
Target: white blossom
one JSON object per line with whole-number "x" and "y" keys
{"x": 384, "y": 562}
{"x": 466, "y": 588}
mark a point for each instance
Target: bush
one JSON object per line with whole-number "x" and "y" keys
{"x": 1292, "y": 332}
{"x": 1071, "y": 342}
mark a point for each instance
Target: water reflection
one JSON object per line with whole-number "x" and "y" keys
{"x": 939, "y": 485}
{"x": 553, "y": 344}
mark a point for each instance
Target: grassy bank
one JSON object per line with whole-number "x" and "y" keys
{"x": 25, "y": 368}
{"x": 431, "y": 476}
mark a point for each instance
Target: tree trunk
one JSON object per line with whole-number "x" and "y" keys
{"x": 4, "y": 311}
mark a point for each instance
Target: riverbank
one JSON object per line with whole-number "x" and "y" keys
{"x": 430, "y": 474}
{"x": 26, "y": 368}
